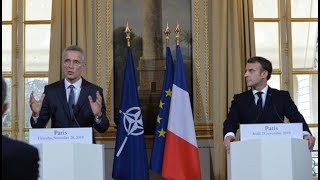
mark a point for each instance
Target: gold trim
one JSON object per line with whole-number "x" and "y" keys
{"x": 277, "y": 71}
{"x": 206, "y": 58}
{"x": 290, "y": 19}
{"x": 286, "y": 64}
{"x": 148, "y": 137}
{"x": 15, "y": 117}
{"x": 177, "y": 31}
{"x": 37, "y": 22}
{"x": 36, "y": 75}
{"x": 7, "y": 75}
{"x": 15, "y": 68}
{"x": 99, "y": 42}
{"x": 201, "y": 127}
{"x": 127, "y": 31}
{"x": 112, "y": 129}
{"x": 13, "y": 72}
{"x": 7, "y": 22}
{"x": 167, "y": 33}
{"x": 6, "y": 130}
{"x": 266, "y": 20}
{"x": 297, "y": 71}
{"x": 203, "y": 131}
{"x": 108, "y": 89}
{"x": 24, "y": 118}
{"x": 313, "y": 125}
{"x": 198, "y": 99}
{"x": 304, "y": 19}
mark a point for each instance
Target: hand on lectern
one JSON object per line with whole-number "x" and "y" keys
{"x": 227, "y": 142}
{"x": 311, "y": 141}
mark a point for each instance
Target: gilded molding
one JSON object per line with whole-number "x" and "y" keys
{"x": 108, "y": 81}
{"x": 16, "y": 128}
{"x": 198, "y": 99}
{"x": 203, "y": 131}
{"x": 15, "y": 118}
{"x": 99, "y": 42}
{"x": 206, "y": 58}
{"x": 15, "y": 89}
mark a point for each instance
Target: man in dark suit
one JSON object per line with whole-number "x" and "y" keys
{"x": 73, "y": 101}
{"x": 19, "y": 160}
{"x": 262, "y": 104}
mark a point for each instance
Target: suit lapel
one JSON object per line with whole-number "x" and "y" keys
{"x": 268, "y": 99}
{"x": 250, "y": 98}
{"x": 252, "y": 108}
{"x": 63, "y": 98}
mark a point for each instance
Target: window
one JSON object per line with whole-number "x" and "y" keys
{"x": 286, "y": 32}
{"x": 25, "y": 59}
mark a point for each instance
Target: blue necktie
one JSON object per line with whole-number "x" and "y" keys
{"x": 71, "y": 101}
{"x": 259, "y": 102}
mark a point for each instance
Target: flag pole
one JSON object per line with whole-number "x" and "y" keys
{"x": 128, "y": 31}
{"x": 167, "y": 33}
{"x": 181, "y": 148}
{"x": 177, "y": 34}
{"x": 130, "y": 155}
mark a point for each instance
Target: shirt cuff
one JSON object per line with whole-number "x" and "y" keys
{"x": 230, "y": 134}
{"x": 35, "y": 119}
{"x": 305, "y": 133}
{"x": 98, "y": 119}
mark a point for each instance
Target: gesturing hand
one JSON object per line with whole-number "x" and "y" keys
{"x": 35, "y": 105}
{"x": 96, "y": 106}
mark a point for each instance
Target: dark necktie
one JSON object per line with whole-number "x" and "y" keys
{"x": 259, "y": 102}
{"x": 71, "y": 101}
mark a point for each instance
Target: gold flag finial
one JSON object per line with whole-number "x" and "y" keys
{"x": 127, "y": 31}
{"x": 177, "y": 34}
{"x": 167, "y": 33}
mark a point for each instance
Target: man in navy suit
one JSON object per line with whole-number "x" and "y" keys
{"x": 19, "y": 160}
{"x": 262, "y": 104}
{"x": 73, "y": 101}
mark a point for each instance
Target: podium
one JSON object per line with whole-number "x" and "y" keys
{"x": 68, "y": 154}
{"x": 71, "y": 161}
{"x": 271, "y": 158}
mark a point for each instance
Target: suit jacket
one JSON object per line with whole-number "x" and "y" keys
{"x": 19, "y": 160}
{"x": 55, "y": 106}
{"x": 278, "y": 105}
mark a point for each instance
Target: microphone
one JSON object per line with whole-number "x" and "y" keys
{"x": 75, "y": 110}
{"x": 275, "y": 110}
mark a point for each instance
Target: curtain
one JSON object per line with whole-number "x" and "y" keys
{"x": 232, "y": 44}
{"x": 71, "y": 25}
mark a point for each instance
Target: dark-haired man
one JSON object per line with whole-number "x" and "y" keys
{"x": 262, "y": 104}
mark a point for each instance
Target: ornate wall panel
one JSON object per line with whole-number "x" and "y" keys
{"x": 200, "y": 81}
{"x": 201, "y": 61}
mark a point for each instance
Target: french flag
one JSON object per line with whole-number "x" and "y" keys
{"x": 181, "y": 157}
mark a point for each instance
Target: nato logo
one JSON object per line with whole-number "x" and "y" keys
{"x": 132, "y": 122}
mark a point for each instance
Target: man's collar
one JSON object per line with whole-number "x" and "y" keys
{"x": 264, "y": 90}
{"x": 77, "y": 84}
